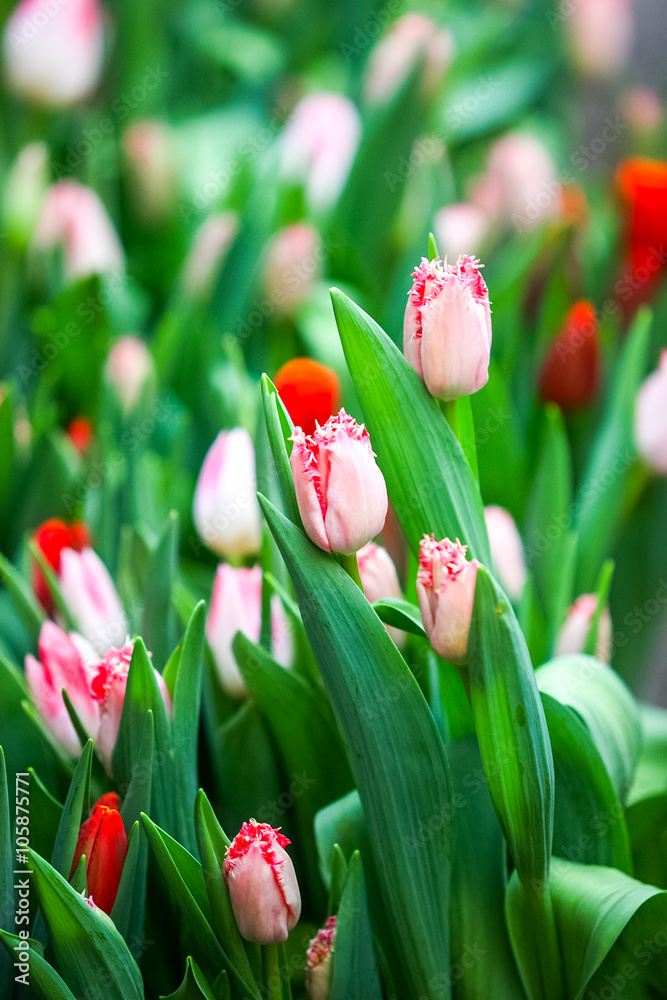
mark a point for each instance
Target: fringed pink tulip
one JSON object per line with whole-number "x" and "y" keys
{"x": 262, "y": 884}
{"x": 573, "y": 634}
{"x": 651, "y": 418}
{"x": 293, "y": 263}
{"x": 128, "y": 370}
{"x": 73, "y": 217}
{"x": 411, "y": 37}
{"x": 92, "y": 599}
{"x": 340, "y": 490}
{"x": 379, "y": 580}
{"x": 447, "y": 327}
{"x": 600, "y": 35}
{"x": 236, "y": 606}
{"x": 225, "y": 509}
{"x": 446, "y": 593}
{"x": 53, "y": 51}
{"x": 319, "y": 144}
{"x": 461, "y": 229}
{"x": 318, "y": 961}
{"x": 209, "y": 248}
{"x": 506, "y": 550}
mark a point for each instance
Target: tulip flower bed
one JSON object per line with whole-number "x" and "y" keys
{"x": 333, "y": 444}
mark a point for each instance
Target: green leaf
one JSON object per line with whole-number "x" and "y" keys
{"x": 400, "y": 614}
{"x": 279, "y": 427}
{"x": 7, "y": 860}
{"x": 337, "y": 879}
{"x": 187, "y": 701}
{"x": 28, "y": 608}
{"x": 75, "y": 812}
{"x": 193, "y": 987}
{"x": 45, "y": 813}
{"x": 129, "y": 908}
{"x": 159, "y": 621}
{"x": 647, "y": 827}
{"x": 53, "y": 585}
{"x": 44, "y": 981}
{"x": 339, "y": 825}
{"x": 355, "y": 974}
{"x": 428, "y": 478}
{"x": 393, "y": 747}
{"x": 602, "y": 593}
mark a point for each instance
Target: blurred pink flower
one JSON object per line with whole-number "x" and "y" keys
{"x": 574, "y": 632}
{"x": 92, "y": 600}
{"x": 651, "y": 418}
{"x": 379, "y": 580}
{"x": 600, "y": 35}
{"x": 318, "y": 961}
{"x": 73, "y": 217}
{"x": 225, "y": 508}
{"x": 446, "y": 593}
{"x": 209, "y": 248}
{"x": 128, "y": 369}
{"x": 412, "y": 35}
{"x": 293, "y": 263}
{"x": 460, "y": 230}
{"x": 521, "y": 184}
{"x": 506, "y": 550}
{"x": 152, "y": 159}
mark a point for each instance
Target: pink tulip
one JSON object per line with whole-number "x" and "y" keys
{"x": 411, "y": 37}
{"x": 262, "y": 884}
{"x": 319, "y": 144}
{"x": 73, "y": 217}
{"x": 209, "y": 248}
{"x": 642, "y": 108}
{"x": 447, "y": 327}
{"x": 446, "y": 593}
{"x": 506, "y": 550}
{"x": 53, "y": 51}
{"x": 340, "y": 490}
{"x": 152, "y": 160}
{"x": 379, "y": 580}
{"x": 651, "y": 418}
{"x": 66, "y": 661}
{"x": 293, "y": 263}
{"x": 573, "y": 634}
{"x": 128, "y": 370}
{"x": 521, "y": 184}
{"x": 600, "y": 34}
{"x": 92, "y": 599}
{"x": 236, "y": 606}
{"x": 318, "y": 961}
{"x": 108, "y": 690}
{"x": 225, "y": 509}
{"x": 461, "y": 229}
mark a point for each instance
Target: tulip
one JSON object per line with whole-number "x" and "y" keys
{"x": 262, "y": 884}
{"x": 236, "y": 606}
{"x": 53, "y": 52}
{"x": 319, "y": 144}
{"x": 651, "y": 418}
{"x": 570, "y": 372}
{"x": 379, "y": 580}
{"x": 225, "y": 508}
{"x": 600, "y": 36}
{"x": 72, "y": 216}
{"x": 447, "y": 327}
{"x": 641, "y": 107}
{"x": 51, "y": 538}
{"x": 209, "y": 248}
{"x": 310, "y": 392}
{"x": 129, "y": 371}
{"x": 461, "y": 229}
{"x": 506, "y": 550}
{"x": 92, "y": 599}
{"x": 152, "y": 160}
{"x": 80, "y": 433}
{"x": 340, "y": 490}
{"x": 446, "y": 593}
{"x": 411, "y": 37}
{"x": 25, "y": 188}
{"x": 521, "y": 184}
{"x": 642, "y": 188}
{"x": 293, "y": 263}
{"x": 573, "y": 634}
{"x": 103, "y": 840}
{"x": 108, "y": 690}
{"x": 318, "y": 961}
{"x": 65, "y": 663}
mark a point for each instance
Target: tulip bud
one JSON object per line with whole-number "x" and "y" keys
{"x": 103, "y": 840}
{"x": 319, "y": 144}
{"x": 651, "y": 418}
{"x": 379, "y": 580}
{"x": 262, "y": 884}
{"x": 447, "y": 327}
{"x": 73, "y": 217}
{"x": 521, "y": 184}
{"x": 461, "y": 229}
{"x": 573, "y": 634}
{"x": 51, "y": 538}
{"x": 91, "y": 598}
{"x": 236, "y": 606}
{"x": 340, "y": 490}
{"x": 65, "y": 663}
{"x": 446, "y": 593}
{"x": 310, "y": 392}
{"x": 24, "y": 190}
{"x": 108, "y": 690}
{"x": 570, "y": 371}
{"x": 318, "y": 961}
{"x": 293, "y": 263}
{"x": 600, "y": 36}
{"x": 410, "y": 37}
{"x": 80, "y": 433}
{"x": 129, "y": 371}
{"x": 209, "y": 248}
{"x": 506, "y": 550}
{"x": 53, "y": 54}
{"x": 225, "y": 508}
{"x": 152, "y": 160}
{"x": 642, "y": 188}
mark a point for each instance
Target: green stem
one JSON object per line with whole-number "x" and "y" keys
{"x": 273, "y": 989}
{"x": 351, "y": 567}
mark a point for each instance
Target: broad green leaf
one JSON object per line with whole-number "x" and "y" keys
{"x": 129, "y": 907}
{"x": 339, "y": 825}
{"x": 511, "y": 730}
{"x": 393, "y": 747}
{"x": 603, "y": 701}
{"x": 28, "y": 608}
{"x": 45, "y": 813}
{"x": 279, "y": 428}
{"x": 159, "y": 624}
{"x": 187, "y": 702}
{"x": 532, "y": 931}
{"x": 647, "y": 827}
{"x": 651, "y": 774}
{"x": 43, "y": 979}
{"x": 400, "y": 614}
{"x": 355, "y": 974}
{"x": 428, "y": 478}
{"x": 75, "y": 812}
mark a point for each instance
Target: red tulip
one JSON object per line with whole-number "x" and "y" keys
{"x": 570, "y": 372}
{"x": 310, "y": 392}
{"x": 642, "y": 186}
{"x": 80, "y": 433}
{"x": 51, "y": 538}
{"x": 103, "y": 840}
